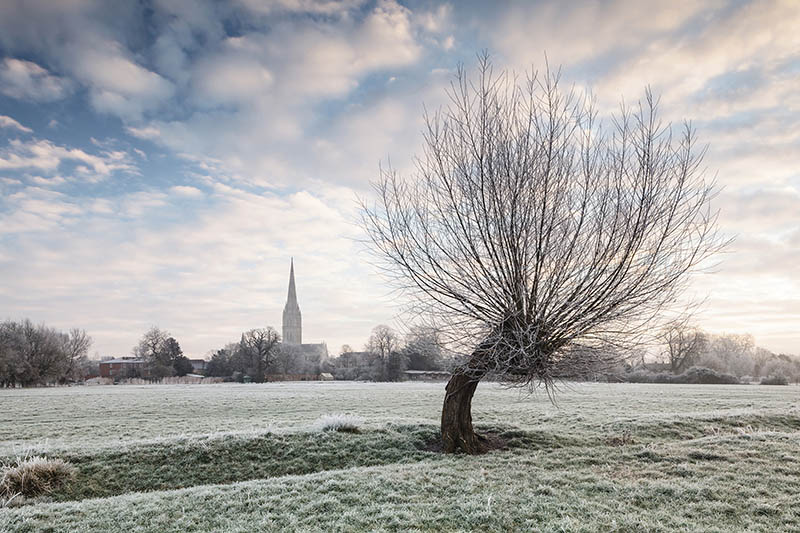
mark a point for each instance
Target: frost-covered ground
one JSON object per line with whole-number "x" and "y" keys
{"x": 236, "y": 457}
{"x": 89, "y": 417}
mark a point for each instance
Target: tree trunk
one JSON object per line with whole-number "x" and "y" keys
{"x": 457, "y": 432}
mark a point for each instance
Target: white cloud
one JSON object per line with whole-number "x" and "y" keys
{"x": 26, "y": 80}
{"x": 325, "y": 7}
{"x": 34, "y": 209}
{"x": 117, "y": 84}
{"x": 571, "y": 34}
{"x": 148, "y": 132}
{"x": 45, "y": 156}
{"x": 297, "y": 100}
{"x": 8, "y": 122}
{"x": 748, "y": 36}
{"x": 222, "y": 270}
{"x": 187, "y": 191}
{"x": 230, "y": 78}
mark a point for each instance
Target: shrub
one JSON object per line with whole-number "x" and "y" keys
{"x": 694, "y": 376}
{"x": 774, "y": 380}
{"x": 706, "y": 376}
{"x": 338, "y": 422}
{"x": 34, "y": 476}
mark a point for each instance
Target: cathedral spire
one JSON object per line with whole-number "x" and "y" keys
{"x": 292, "y": 319}
{"x": 292, "y": 298}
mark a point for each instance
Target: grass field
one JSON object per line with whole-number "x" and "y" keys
{"x": 248, "y": 458}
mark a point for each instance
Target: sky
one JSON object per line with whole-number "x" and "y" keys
{"x": 161, "y": 161}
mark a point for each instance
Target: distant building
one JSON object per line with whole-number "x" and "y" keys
{"x": 124, "y": 367}
{"x": 198, "y": 365}
{"x": 292, "y": 319}
{"x": 293, "y": 324}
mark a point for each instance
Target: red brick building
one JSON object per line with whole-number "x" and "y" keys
{"x": 124, "y": 367}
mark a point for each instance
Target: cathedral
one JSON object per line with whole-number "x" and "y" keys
{"x": 293, "y": 322}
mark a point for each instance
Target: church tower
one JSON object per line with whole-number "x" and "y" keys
{"x": 292, "y": 321}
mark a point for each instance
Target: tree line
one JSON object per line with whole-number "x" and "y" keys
{"x": 35, "y": 354}
{"x": 386, "y": 356}
{"x": 685, "y": 347}
{"x": 254, "y": 357}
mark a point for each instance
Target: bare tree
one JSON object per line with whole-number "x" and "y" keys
{"x": 37, "y": 354}
{"x": 258, "y": 346}
{"x": 75, "y": 346}
{"x": 383, "y": 341}
{"x": 384, "y": 344}
{"x": 152, "y": 348}
{"x": 684, "y": 345}
{"x": 534, "y": 239}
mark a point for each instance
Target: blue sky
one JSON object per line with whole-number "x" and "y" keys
{"x": 161, "y": 161}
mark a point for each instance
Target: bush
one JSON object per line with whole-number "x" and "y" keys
{"x": 34, "y": 476}
{"x": 694, "y": 376}
{"x": 706, "y": 376}
{"x": 774, "y": 380}
{"x": 338, "y": 422}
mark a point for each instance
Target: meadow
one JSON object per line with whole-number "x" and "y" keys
{"x": 231, "y": 457}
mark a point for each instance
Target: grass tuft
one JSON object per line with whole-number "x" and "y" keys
{"x": 34, "y": 476}
{"x": 341, "y": 422}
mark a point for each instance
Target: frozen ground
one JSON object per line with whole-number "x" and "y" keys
{"x": 236, "y": 457}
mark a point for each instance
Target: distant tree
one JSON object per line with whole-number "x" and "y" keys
{"x": 13, "y": 366}
{"x": 760, "y": 358}
{"x": 220, "y": 364}
{"x": 172, "y": 353}
{"x": 396, "y": 364}
{"x": 182, "y": 365}
{"x": 530, "y": 230}
{"x": 286, "y": 360}
{"x": 683, "y": 346}
{"x": 782, "y": 366}
{"x": 36, "y": 354}
{"x": 383, "y": 342}
{"x": 423, "y": 349}
{"x": 160, "y": 350}
{"x": 257, "y": 348}
{"x": 730, "y": 353}
{"x": 75, "y": 346}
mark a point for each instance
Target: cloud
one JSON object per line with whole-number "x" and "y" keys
{"x": 8, "y": 122}
{"x": 748, "y": 36}
{"x": 268, "y": 117}
{"x": 47, "y": 157}
{"x": 148, "y": 132}
{"x": 117, "y": 84}
{"x": 324, "y": 7}
{"x": 571, "y": 35}
{"x": 230, "y": 78}
{"x": 205, "y": 275}
{"x": 26, "y": 80}
{"x": 36, "y": 210}
{"x": 187, "y": 191}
